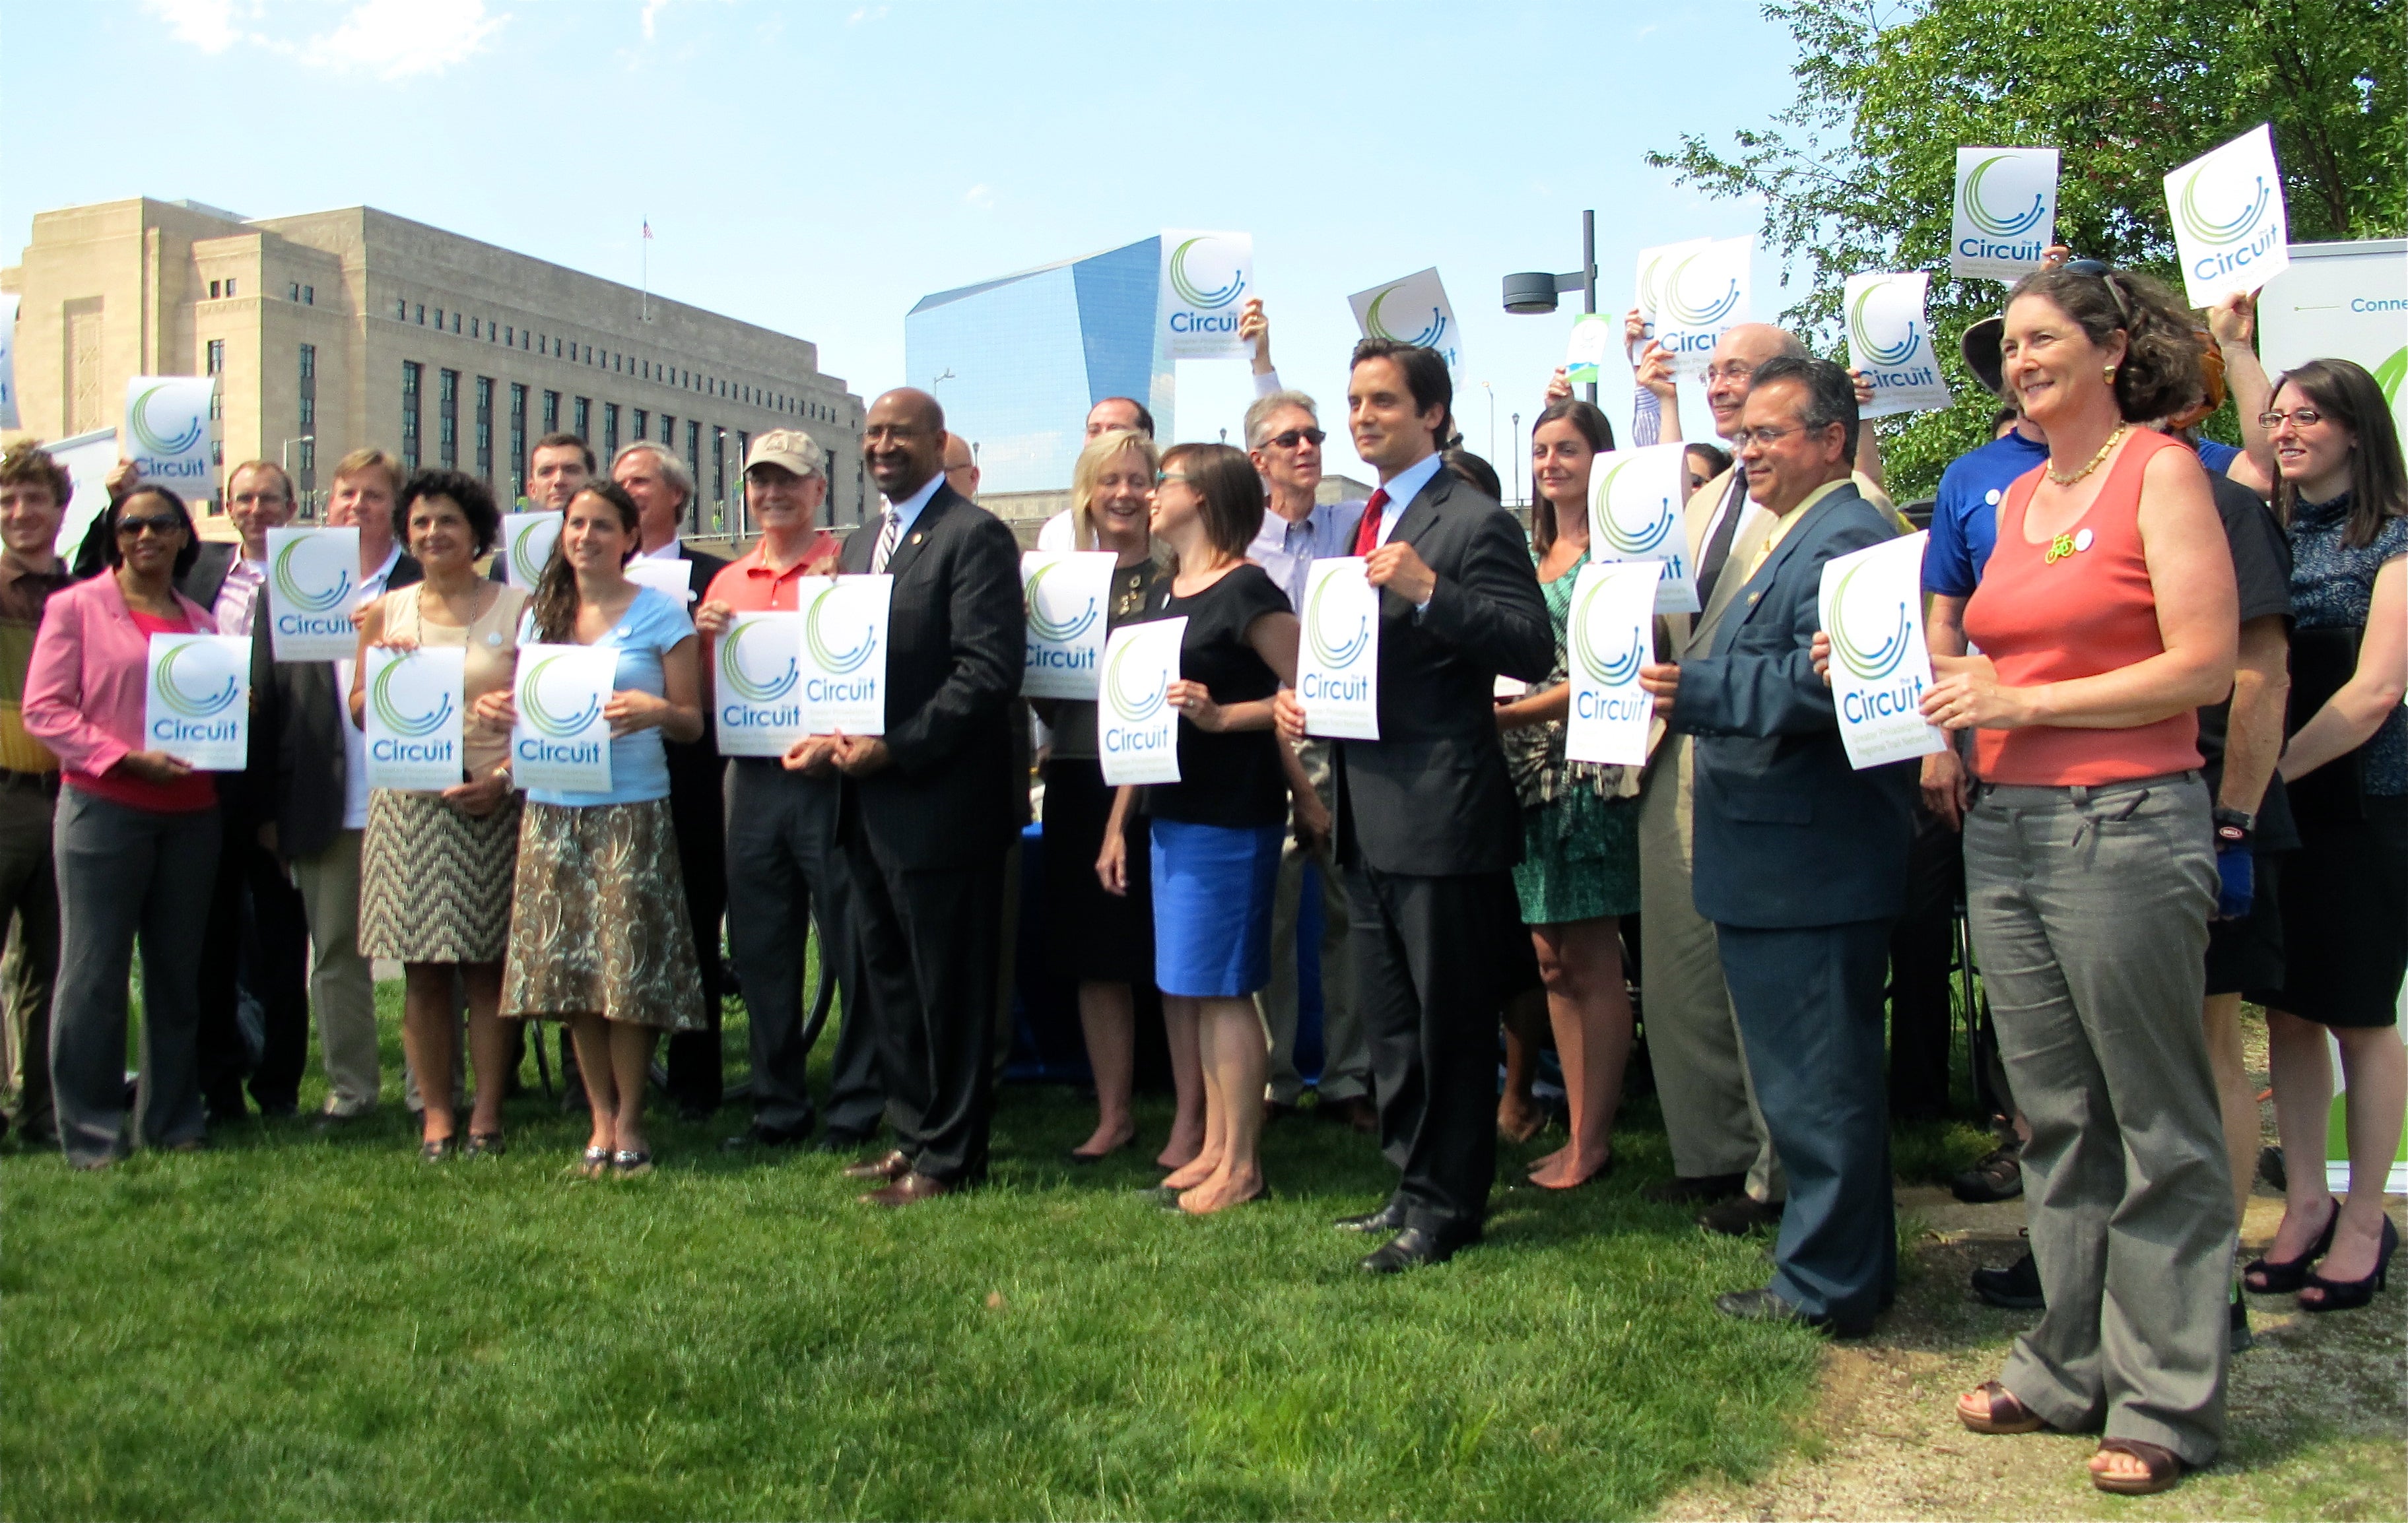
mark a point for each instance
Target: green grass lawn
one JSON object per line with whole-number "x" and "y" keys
{"x": 294, "y": 1326}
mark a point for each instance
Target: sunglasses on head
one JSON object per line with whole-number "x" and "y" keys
{"x": 2100, "y": 270}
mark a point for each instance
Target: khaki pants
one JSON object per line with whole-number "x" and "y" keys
{"x": 342, "y": 989}
{"x": 1345, "y": 1056}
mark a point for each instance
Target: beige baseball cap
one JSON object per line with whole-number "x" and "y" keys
{"x": 789, "y": 449}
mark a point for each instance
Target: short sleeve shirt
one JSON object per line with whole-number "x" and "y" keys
{"x": 1232, "y": 778}
{"x": 1965, "y": 513}
{"x": 652, "y": 626}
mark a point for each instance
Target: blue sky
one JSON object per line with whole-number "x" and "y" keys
{"x": 817, "y": 168}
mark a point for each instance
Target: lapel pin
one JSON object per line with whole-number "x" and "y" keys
{"x": 917, "y": 536}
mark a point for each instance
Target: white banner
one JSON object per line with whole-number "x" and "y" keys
{"x": 2005, "y": 215}
{"x": 1704, "y": 295}
{"x": 1337, "y": 662}
{"x": 527, "y": 539}
{"x": 1204, "y": 280}
{"x": 87, "y": 459}
{"x": 562, "y": 741}
{"x": 8, "y": 361}
{"x": 760, "y": 666}
{"x": 1655, "y": 269}
{"x": 1634, "y": 502}
{"x": 1872, "y": 606}
{"x": 2345, "y": 301}
{"x": 1611, "y": 634}
{"x": 1889, "y": 339}
{"x": 312, "y": 584}
{"x": 167, "y": 434}
{"x": 1592, "y": 340}
{"x": 1068, "y": 597}
{"x": 196, "y": 706}
{"x": 672, "y": 579}
{"x": 417, "y": 713}
{"x": 1413, "y": 309}
{"x": 1137, "y": 731}
{"x": 2230, "y": 227}
{"x": 843, "y": 655}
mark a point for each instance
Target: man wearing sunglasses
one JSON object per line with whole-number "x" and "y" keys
{"x": 1283, "y": 438}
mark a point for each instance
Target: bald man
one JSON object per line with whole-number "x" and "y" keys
{"x": 961, "y": 467}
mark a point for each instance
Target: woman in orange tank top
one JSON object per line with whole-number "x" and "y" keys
{"x": 2106, "y": 617}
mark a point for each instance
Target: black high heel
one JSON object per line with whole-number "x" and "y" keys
{"x": 2348, "y": 1295}
{"x": 2286, "y": 1275}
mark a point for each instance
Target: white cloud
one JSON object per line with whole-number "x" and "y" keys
{"x": 397, "y": 38}
{"x": 865, "y": 13}
{"x": 210, "y": 25}
{"x": 982, "y": 196}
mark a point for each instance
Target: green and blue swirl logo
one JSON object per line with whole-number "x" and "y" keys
{"x": 1427, "y": 339}
{"x": 1695, "y": 314}
{"x": 1060, "y": 632}
{"x": 825, "y": 654}
{"x": 393, "y": 715}
{"x": 1128, "y": 710}
{"x": 293, "y": 593}
{"x": 1978, "y": 213}
{"x": 1651, "y": 294}
{"x": 1631, "y": 540}
{"x": 1334, "y": 651}
{"x": 1614, "y": 667}
{"x": 180, "y": 700}
{"x": 2203, "y": 226}
{"x": 737, "y": 680}
{"x": 1860, "y": 331}
{"x": 544, "y": 721}
{"x": 1190, "y": 292}
{"x": 1868, "y": 661}
{"x": 156, "y": 439}
{"x": 522, "y": 560}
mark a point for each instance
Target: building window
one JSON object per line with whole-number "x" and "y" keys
{"x": 641, "y": 418}
{"x": 693, "y": 451}
{"x": 455, "y": 322}
{"x": 216, "y": 289}
{"x": 718, "y": 464}
{"x": 743, "y": 508}
{"x": 411, "y": 372}
{"x": 485, "y": 429}
{"x": 293, "y": 292}
{"x": 510, "y": 336}
{"x": 229, "y": 289}
{"x": 439, "y": 317}
{"x": 518, "y": 441}
{"x": 447, "y": 419}
{"x": 668, "y": 436}
{"x": 421, "y": 314}
{"x": 551, "y": 412}
{"x": 400, "y": 310}
{"x": 309, "y": 295}
{"x": 584, "y": 428}
{"x": 217, "y": 356}
{"x": 305, "y": 456}
{"x": 309, "y": 387}
{"x": 610, "y": 432}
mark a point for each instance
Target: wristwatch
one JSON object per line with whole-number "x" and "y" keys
{"x": 2233, "y": 828}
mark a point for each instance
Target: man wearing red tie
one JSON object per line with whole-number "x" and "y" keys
{"x": 1429, "y": 828}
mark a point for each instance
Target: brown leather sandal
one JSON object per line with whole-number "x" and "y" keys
{"x": 2165, "y": 1467}
{"x": 2007, "y": 1415}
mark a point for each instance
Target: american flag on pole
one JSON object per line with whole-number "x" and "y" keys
{"x": 648, "y": 227}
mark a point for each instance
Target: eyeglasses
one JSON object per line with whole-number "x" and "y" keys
{"x": 2297, "y": 418}
{"x": 1165, "y": 478}
{"x": 163, "y": 526}
{"x": 1765, "y": 437}
{"x": 1733, "y": 371}
{"x": 1290, "y": 439}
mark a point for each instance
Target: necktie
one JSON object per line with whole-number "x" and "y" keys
{"x": 1717, "y": 554}
{"x": 1366, "y": 534}
{"x": 886, "y": 538}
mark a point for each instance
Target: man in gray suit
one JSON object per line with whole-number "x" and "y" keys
{"x": 1800, "y": 858}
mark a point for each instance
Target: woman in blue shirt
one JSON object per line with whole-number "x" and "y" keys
{"x": 598, "y": 930}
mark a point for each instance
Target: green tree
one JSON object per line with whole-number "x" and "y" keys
{"x": 1859, "y": 171}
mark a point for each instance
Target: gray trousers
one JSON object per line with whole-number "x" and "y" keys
{"x": 1711, "y": 1116}
{"x": 2089, "y": 911}
{"x": 29, "y": 899}
{"x": 126, "y": 874}
{"x": 1345, "y": 1055}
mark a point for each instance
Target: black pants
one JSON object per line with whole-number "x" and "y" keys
{"x": 699, "y": 814}
{"x": 258, "y": 944}
{"x": 1434, "y": 958}
{"x": 785, "y": 869}
{"x": 930, "y": 940}
{"x": 1919, "y": 1024}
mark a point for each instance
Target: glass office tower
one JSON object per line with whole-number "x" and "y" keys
{"x": 1018, "y": 361}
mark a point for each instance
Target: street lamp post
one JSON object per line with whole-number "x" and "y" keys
{"x": 942, "y": 379}
{"x": 1535, "y": 290}
{"x": 285, "y": 456}
{"x": 1517, "y": 456}
{"x": 1492, "y": 419}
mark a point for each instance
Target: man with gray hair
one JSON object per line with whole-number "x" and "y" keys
{"x": 664, "y": 492}
{"x": 1284, "y": 438}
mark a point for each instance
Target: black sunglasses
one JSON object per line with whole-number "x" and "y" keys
{"x": 1288, "y": 440}
{"x": 163, "y": 525}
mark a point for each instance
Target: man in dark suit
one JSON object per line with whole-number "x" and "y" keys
{"x": 1800, "y": 860}
{"x": 928, "y": 811}
{"x": 1429, "y": 828}
{"x": 662, "y": 487}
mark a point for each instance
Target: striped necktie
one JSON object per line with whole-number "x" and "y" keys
{"x": 886, "y": 538}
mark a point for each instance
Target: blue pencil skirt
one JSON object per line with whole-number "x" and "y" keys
{"x": 1212, "y": 891}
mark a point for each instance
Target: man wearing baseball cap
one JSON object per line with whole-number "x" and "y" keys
{"x": 783, "y": 858}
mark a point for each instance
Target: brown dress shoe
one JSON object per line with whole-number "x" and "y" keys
{"x": 891, "y": 1167}
{"x": 909, "y": 1190}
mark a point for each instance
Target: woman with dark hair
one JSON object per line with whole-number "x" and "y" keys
{"x": 136, "y": 831}
{"x": 2341, "y": 487}
{"x": 1704, "y": 461}
{"x": 2106, "y": 617}
{"x": 435, "y": 868}
{"x": 599, "y": 937}
{"x": 1578, "y": 872}
{"x": 1217, "y": 832}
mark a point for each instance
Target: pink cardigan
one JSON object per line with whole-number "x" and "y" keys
{"x": 84, "y": 691}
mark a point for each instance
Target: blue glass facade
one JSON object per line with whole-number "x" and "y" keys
{"x": 1029, "y": 354}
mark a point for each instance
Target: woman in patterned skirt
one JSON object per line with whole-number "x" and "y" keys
{"x": 1578, "y": 872}
{"x": 599, "y": 935}
{"x": 436, "y": 867}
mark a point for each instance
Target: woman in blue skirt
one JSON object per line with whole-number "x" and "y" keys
{"x": 1217, "y": 832}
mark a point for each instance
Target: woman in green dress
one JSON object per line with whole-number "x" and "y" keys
{"x": 1578, "y": 872}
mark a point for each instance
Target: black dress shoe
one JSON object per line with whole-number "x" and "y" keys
{"x": 1741, "y": 1217}
{"x": 1388, "y": 1218}
{"x": 1411, "y": 1248}
{"x": 1998, "y": 1175}
{"x": 1762, "y": 1305}
{"x": 757, "y": 1135}
{"x": 1694, "y": 1189}
{"x": 2015, "y": 1286}
{"x": 691, "y": 1111}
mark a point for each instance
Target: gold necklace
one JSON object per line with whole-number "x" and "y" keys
{"x": 2096, "y": 461}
